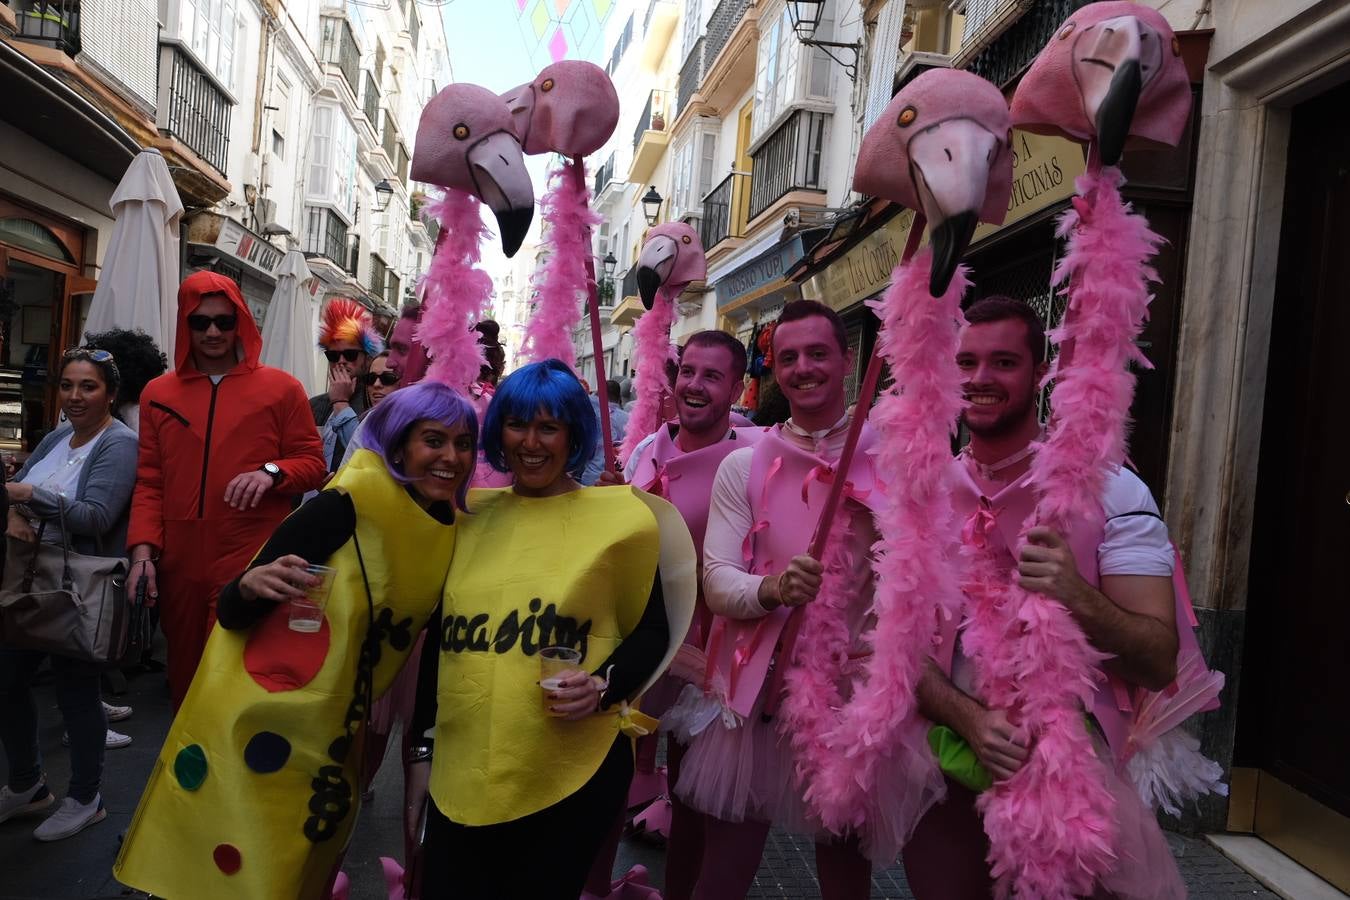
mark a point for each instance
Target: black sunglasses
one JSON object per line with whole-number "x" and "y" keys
{"x": 225, "y": 322}
{"x": 388, "y": 379}
{"x": 335, "y": 355}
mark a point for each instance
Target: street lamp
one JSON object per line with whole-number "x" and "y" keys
{"x": 651, "y": 205}
{"x": 805, "y": 16}
{"x": 609, "y": 262}
{"x": 384, "y": 192}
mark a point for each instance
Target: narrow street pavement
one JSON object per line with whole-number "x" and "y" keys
{"x": 80, "y": 868}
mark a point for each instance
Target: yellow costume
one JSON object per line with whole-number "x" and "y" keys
{"x": 257, "y": 787}
{"x": 571, "y": 570}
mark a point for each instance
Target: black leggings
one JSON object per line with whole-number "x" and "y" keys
{"x": 542, "y": 856}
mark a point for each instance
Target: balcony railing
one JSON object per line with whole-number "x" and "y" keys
{"x": 378, "y": 270}
{"x": 326, "y": 235}
{"x": 413, "y": 25}
{"x": 394, "y": 296}
{"x": 1015, "y": 48}
{"x": 630, "y": 287}
{"x": 720, "y": 207}
{"x": 653, "y": 115}
{"x": 198, "y": 113}
{"x": 55, "y": 22}
{"x": 370, "y": 103}
{"x": 691, "y": 75}
{"x": 390, "y": 140}
{"x": 789, "y": 160}
{"x": 401, "y": 164}
{"x": 338, "y": 47}
{"x": 723, "y": 22}
{"x": 605, "y": 175}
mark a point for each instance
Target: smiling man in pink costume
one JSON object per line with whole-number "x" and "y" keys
{"x": 1115, "y": 580}
{"x": 765, "y": 503}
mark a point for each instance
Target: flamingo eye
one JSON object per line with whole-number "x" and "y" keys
{"x": 1066, "y": 30}
{"x": 547, "y": 85}
{"x": 907, "y": 116}
{"x": 461, "y": 131}
{"x": 687, "y": 239}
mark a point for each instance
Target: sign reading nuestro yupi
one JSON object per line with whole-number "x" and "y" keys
{"x": 1044, "y": 169}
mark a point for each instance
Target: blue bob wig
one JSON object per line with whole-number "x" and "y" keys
{"x": 551, "y": 387}
{"x": 385, "y": 428}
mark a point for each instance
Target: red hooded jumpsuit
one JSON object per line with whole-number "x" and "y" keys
{"x": 196, "y": 436}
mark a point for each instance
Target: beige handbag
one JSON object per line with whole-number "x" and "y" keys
{"x": 59, "y": 601}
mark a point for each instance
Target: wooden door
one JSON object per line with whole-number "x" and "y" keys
{"x": 1293, "y": 722}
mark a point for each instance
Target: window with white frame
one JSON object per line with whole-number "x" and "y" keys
{"x": 332, "y": 159}
{"x": 788, "y": 71}
{"x": 694, "y": 172}
{"x": 693, "y": 26}
{"x": 208, "y": 27}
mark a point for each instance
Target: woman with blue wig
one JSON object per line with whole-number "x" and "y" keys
{"x": 259, "y": 782}
{"x": 525, "y": 779}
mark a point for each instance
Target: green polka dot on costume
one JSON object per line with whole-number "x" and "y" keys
{"x": 189, "y": 767}
{"x": 227, "y": 858}
{"x": 267, "y": 752}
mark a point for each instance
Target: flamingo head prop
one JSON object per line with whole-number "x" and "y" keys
{"x": 942, "y": 146}
{"x": 466, "y": 141}
{"x": 570, "y": 108}
{"x": 672, "y": 256}
{"x": 1113, "y": 75}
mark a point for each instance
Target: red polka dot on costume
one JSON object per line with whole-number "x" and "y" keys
{"x": 267, "y": 752}
{"x": 227, "y": 858}
{"x": 283, "y": 660}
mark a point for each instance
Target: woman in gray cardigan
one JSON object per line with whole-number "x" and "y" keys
{"x": 89, "y": 465}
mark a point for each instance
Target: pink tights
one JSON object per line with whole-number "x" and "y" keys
{"x": 732, "y": 852}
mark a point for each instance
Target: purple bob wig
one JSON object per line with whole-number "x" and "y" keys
{"x": 385, "y": 428}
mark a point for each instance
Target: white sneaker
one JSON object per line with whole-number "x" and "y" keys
{"x": 111, "y": 741}
{"x": 72, "y": 818}
{"x": 116, "y": 713}
{"x": 23, "y": 803}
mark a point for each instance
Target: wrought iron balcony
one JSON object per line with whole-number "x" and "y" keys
{"x": 653, "y": 116}
{"x": 691, "y": 75}
{"x": 401, "y": 164}
{"x": 630, "y": 287}
{"x": 54, "y": 22}
{"x": 378, "y": 270}
{"x": 326, "y": 236}
{"x": 394, "y": 290}
{"x": 198, "y": 112}
{"x": 370, "y": 103}
{"x": 338, "y": 46}
{"x": 790, "y": 160}
{"x": 720, "y": 220}
{"x": 390, "y": 139}
{"x": 605, "y": 175}
{"x": 1014, "y": 50}
{"x": 723, "y": 22}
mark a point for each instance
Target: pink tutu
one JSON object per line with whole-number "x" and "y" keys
{"x": 397, "y": 703}
{"x": 1145, "y": 868}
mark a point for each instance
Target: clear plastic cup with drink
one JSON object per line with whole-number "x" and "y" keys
{"x": 306, "y": 614}
{"x": 554, "y": 664}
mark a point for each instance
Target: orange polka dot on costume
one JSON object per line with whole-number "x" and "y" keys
{"x": 283, "y": 660}
{"x": 227, "y": 858}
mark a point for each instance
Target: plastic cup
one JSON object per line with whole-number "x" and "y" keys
{"x": 306, "y": 614}
{"x": 554, "y": 663}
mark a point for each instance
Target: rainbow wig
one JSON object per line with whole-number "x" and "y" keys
{"x": 551, "y": 387}
{"x": 386, "y": 427}
{"x": 345, "y": 320}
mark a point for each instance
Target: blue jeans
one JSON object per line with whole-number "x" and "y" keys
{"x": 81, "y": 704}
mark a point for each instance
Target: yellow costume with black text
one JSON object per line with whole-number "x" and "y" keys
{"x": 570, "y": 570}
{"x": 257, "y": 787}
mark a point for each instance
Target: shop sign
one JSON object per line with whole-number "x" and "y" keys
{"x": 238, "y": 242}
{"x": 763, "y": 270}
{"x": 866, "y": 269}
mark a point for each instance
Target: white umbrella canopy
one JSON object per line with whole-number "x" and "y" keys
{"x": 138, "y": 285}
{"x": 291, "y": 329}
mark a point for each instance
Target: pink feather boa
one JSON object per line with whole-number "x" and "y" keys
{"x": 1051, "y": 826}
{"x": 844, "y": 756}
{"x": 563, "y": 282}
{"x": 455, "y": 292}
{"x": 651, "y": 343}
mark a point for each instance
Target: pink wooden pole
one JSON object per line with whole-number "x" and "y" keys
{"x": 597, "y": 347}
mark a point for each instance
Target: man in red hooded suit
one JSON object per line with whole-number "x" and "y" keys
{"x": 226, "y": 444}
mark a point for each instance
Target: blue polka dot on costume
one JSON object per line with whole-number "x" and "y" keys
{"x": 267, "y": 752}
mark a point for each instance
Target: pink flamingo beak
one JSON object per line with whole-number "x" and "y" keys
{"x": 950, "y": 163}
{"x": 497, "y": 168}
{"x": 1113, "y": 61}
{"x": 654, "y": 265}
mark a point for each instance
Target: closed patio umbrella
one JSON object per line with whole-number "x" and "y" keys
{"x": 291, "y": 329}
{"x": 138, "y": 284}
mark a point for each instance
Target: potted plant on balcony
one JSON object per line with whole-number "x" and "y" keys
{"x": 658, "y": 121}
{"x": 606, "y": 292}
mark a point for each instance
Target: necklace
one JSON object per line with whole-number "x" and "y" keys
{"x": 989, "y": 471}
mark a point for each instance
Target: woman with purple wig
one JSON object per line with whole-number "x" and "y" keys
{"x": 259, "y": 781}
